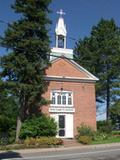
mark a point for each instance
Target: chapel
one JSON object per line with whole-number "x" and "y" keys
{"x": 71, "y": 88}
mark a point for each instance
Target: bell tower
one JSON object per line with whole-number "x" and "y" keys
{"x": 61, "y": 31}
{"x": 60, "y": 49}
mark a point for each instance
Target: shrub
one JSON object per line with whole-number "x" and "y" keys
{"x": 38, "y": 127}
{"x": 84, "y": 130}
{"x": 101, "y": 136}
{"x": 104, "y": 126}
{"x": 41, "y": 141}
{"x": 85, "y": 139}
{"x": 30, "y": 141}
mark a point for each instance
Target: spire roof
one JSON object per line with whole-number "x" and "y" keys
{"x": 60, "y": 26}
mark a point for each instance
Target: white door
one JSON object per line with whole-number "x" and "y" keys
{"x": 65, "y": 125}
{"x": 69, "y": 125}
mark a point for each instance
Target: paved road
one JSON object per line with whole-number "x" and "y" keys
{"x": 104, "y": 153}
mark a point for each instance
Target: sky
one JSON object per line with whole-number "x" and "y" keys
{"x": 80, "y": 16}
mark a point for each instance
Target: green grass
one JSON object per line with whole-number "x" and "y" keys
{"x": 112, "y": 139}
{"x": 116, "y": 132}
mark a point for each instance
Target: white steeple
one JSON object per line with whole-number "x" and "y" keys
{"x": 60, "y": 49}
{"x": 61, "y": 31}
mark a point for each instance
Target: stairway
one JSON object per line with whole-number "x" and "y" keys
{"x": 70, "y": 143}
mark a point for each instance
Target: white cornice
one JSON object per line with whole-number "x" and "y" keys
{"x": 69, "y": 79}
{"x": 61, "y": 50}
{"x": 91, "y": 76}
{"x": 79, "y": 68}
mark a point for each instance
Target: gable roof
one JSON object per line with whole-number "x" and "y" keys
{"x": 79, "y": 74}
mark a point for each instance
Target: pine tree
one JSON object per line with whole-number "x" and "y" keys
{"x": 27, "y": 41}
{"x": 8, "y": 112}
{"x": 115, "y": 114}
{"x": 100, "y": 54}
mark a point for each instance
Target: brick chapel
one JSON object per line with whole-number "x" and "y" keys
{"x": 71, "y": 88}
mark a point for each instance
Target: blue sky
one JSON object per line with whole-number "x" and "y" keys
{"x": 80, "y": 16}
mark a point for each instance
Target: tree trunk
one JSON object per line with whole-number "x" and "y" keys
{"x": 20, "y": 116}
{"x": 108, "y": 98}
{"x": 19, "y": 122}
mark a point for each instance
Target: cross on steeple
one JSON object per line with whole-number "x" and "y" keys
{"x": 61, "y": 12}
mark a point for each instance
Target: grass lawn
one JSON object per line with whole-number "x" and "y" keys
{"x": 112, "y": 139}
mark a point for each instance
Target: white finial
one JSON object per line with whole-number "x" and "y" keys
{"x": 61, "y": 12}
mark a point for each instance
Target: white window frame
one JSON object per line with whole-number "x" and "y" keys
{"x": 58, "y": 92}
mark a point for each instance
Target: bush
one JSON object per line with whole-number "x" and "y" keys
{"x": 38, "y": 127}
{"x": 7, "y": 137}
{"x": 104, "y": 126}
{"x": 85, "y": 139}
{"x": 87, "y": 131}
{"x": 101, "y": 136}
{"x": 43, "y": 141}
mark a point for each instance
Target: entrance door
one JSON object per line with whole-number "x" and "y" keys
{"x": 65, "y": 125}
{"x": 61, "y": 124}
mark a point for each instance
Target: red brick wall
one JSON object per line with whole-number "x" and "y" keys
{"x": 64, "y": 68}
{"x": 83, "y": 101}
{"x": 83, "y": 93}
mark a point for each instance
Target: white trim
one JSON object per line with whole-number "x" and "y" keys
{"x": 52, "y": 76}
{"x": 84, "y": 70}
{"x": 56, "y": 105}
{"x": 68, "y": 79}
{"x": 61, "y": 109}
{"x": 80, "y": 68}
{"x": 69, "y": 124}
{"x": 61, "y": 50}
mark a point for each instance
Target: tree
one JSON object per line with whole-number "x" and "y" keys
{"x": 100, "y": 54}
{"x": 115, "y": 114}
{"x": 27, "y": 41}
{"x": 8, "y": 113}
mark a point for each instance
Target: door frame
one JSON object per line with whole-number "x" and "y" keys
{"x": 69, "y": 124}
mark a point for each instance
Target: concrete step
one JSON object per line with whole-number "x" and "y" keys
{"x": 70, "y": 142}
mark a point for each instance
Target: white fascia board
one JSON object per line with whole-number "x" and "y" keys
{"x": 91, "y": 76}
{"x": 61, "y": 50}
{"x": 68, "y": 79}
{"x": 80, "y": 68}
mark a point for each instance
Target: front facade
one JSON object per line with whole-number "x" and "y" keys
{"x": 71, "y": 88}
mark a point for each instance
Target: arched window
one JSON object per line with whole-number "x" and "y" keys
{"x": 60, "y": 41}
{"x": 59, "y": 99}
{"x": 64, "y": 99}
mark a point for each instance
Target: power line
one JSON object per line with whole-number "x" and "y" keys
{"x": 9, "y": 47}
{"x": 5, "y": 22}
{"x": 72, "y": 38}
{"x": 2, "y": 21}
{"x": 21, "y": 49}
{"x": 48, "y": 54}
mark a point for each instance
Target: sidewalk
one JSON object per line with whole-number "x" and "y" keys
{"x": 62, "y": 148}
